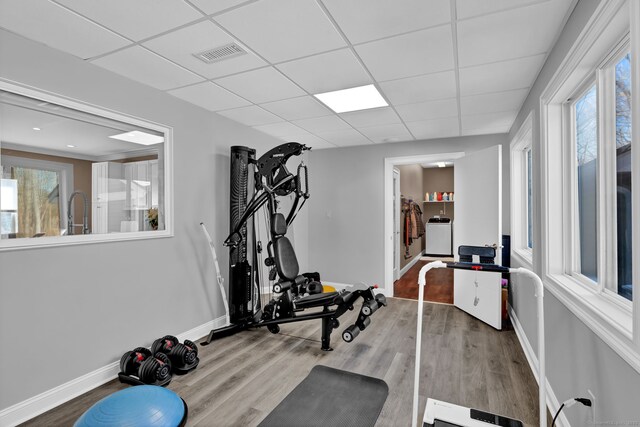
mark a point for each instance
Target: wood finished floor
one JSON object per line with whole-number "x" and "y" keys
{"x": 241, "y": 378}
{"x": 439, "y": 284}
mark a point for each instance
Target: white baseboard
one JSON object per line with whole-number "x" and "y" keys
{"x": 552, "y": 401}
{"x": 413, "y": 261}
{"x": 36, "y": 405}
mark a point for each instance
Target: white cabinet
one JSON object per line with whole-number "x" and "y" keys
{"x": 108, "y": 197}
{"x": 142, "y": 185}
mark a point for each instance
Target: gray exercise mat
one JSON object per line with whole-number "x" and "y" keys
{"x": 331, "y": 397}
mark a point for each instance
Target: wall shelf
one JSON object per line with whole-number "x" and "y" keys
{"x": 438, "y": 201}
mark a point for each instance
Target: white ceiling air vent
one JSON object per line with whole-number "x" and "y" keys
{"x": 220, "y": 53}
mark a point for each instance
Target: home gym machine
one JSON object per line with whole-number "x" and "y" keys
{"x": 439, "y": 413}
{"x": 289, "y": 294}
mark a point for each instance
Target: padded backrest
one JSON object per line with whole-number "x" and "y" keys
{"x": 285, "y": 258}
{"x": 278, "y": 225}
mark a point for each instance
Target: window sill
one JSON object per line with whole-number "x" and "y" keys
{"x": 523, "y": 258}
{"x": 79, "y": 239}
{"x": 611, "y": 322}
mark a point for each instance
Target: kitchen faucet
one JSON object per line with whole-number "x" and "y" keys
{"x": 85, "y": 218}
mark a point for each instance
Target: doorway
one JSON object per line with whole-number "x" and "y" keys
{"x": 391, "y": 242}
{"x": 423, "y": 227}
{"x": 478, "y": 197}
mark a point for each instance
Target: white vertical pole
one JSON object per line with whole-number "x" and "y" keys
{"x": 416, "y": 379}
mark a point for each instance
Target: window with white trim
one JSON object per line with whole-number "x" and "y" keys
{"x": 588, "y": 235}
{"x": 522, "y": 192}
{"x": 599, "y": 179}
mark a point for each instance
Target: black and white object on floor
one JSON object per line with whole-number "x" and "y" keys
{"x": 444, "y": 414}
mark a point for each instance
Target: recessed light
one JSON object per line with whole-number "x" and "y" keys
{"x": 441, "y": 164}
{"x": 71, "y": 146}
{"x": 36, "y": 128}
{"x": 354, "y": 99}
{"x": 138, "y": 137}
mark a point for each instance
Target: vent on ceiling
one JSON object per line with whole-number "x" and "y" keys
{"x": 221, "y": 53}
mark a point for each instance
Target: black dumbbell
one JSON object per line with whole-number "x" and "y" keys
{"x": 148, "y": 368}
{"x": 183, "y": 356}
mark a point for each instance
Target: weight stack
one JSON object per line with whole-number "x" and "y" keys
{"x": 240, "y": 271}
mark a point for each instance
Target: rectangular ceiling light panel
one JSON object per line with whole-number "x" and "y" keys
{"x": 354, "y": 99}
{"x": 138, "y": 137}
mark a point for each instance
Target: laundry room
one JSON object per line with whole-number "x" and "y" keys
{"x": 426, "y": 211}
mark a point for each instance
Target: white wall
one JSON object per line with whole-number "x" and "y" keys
{"x": 577, "y": 359}
{"x": 346, "y": 218}
{"x": 67, "y": 311}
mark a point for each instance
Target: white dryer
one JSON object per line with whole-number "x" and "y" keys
{"x": 439, "y": 236}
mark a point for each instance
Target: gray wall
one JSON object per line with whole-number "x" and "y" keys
{"x": 577, "y": 359}
{"x": 66, "y": 311}
{"x": 346, "y": 213}
{"x": 410, "y": 188}
{"x": 438, "y": 180}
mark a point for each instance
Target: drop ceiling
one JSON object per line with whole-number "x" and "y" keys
{"x": 446, "y": 67}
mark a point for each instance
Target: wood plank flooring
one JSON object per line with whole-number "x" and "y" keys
{"x": 439, "y": 286}
{"x": 242, "y": 378}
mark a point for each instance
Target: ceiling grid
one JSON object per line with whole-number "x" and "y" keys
{"x": 445, "y": 67}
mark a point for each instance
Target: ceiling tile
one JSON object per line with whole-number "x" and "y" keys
{"x": 372, "y": 117}
{"x": 430, "y": 129}
{"x": 317, "y": 143}
{"x": 469, "y": 8}
{"x": 260, "y": 86}
{"x": 210, "y": 96}
{"x": 344, "y": 138}
{"x": 422, "y": 88}
{"x": 295, "y": 28}
{"x": 327, "y": 71}
{"x": 322, "y": 124}
{"x": 281, "y": 130}
{"x": 55, "y": 26}
{"x": 139, "y": 64}
{"x": 303, "y": 137}
{"x": 422, "y": 52}
{"x": 251, "y": 116}
{"x": 303, "y": 107}
{"x": 493, "y": 102}
{"x": 508, "y": 35}
{"x": 387, "y": 133}
{"x": 136, "y": 19}
{"x": 214, "y": 6}
{"x": 181, "y": 45}
{"x": 500, "y": 76}
{"x": 430, "y": 110}
{"x": 365, "y": 20}
{"x": 482, "y": 124}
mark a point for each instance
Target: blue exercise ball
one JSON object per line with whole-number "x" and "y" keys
{"x": 145, "y": 405}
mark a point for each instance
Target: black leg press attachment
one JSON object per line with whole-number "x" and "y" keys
{"x": 371, "y": 304}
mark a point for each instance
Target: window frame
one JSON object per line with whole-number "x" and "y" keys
{"x": 521, "y": 143}
{"x": 616, "y": 323}
{"x": 166, "y": 154}
{"x": 570, "y": 182}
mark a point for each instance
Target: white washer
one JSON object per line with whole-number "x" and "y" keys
{"x": 438, "y": 236}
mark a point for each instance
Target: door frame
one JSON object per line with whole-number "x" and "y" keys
{"x": 396, "y": 224}
{"x": 389, "y": 163}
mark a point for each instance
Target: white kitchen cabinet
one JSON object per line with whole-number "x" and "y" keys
{"x": 142, "y": 185}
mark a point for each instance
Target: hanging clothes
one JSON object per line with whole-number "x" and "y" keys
{"x": 413, "y": 225}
